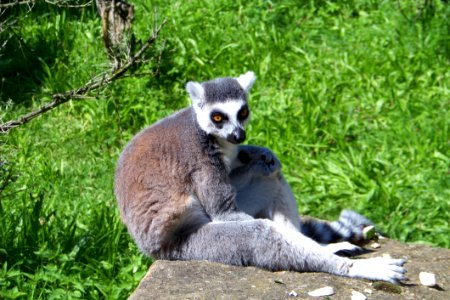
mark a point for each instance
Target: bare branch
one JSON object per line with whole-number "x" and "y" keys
{"x": 60, "y": 3}
{"x": 16, "y": 2}
{"x": 66, "y": 4}
{"x": 95, "y": 83}
{"x": 159, "y": 58}
{"x": 6, "y": 24}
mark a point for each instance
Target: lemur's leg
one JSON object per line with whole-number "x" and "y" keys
{"x": 265, "y": 244}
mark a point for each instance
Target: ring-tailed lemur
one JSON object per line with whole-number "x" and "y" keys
{"x": 174, "y": 193}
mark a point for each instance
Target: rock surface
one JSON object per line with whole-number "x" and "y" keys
{"x": 206, "y": 280}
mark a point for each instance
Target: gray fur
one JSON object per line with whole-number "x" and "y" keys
{"x": 162, "y": 173}
{"x": 175, "y": 197}
{"x": 223, "y": 89}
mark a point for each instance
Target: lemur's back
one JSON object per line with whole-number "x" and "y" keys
{"x": 152, "y": 182}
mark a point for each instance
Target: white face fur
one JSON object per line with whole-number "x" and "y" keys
{"x": 224, "y": 119}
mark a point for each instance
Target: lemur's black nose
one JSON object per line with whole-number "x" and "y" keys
{"x": 237, "y": 137}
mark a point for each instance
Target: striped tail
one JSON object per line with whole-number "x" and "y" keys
{"x": 349, "y": 227}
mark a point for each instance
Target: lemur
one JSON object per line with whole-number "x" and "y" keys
{"x": 174, "y": 186}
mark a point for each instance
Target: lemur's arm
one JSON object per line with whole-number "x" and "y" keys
{"x": 261, "y": 189}
{"x": 217, "y": 195}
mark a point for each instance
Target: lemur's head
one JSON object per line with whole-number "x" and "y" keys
{"x": 221, "y": 106}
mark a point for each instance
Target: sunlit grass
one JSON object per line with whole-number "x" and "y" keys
{"x": 352, "y": 96}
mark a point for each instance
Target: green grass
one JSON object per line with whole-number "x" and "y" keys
{"x": 353, "y": 96}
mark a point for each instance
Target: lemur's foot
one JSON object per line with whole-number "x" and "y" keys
{"x": 379, "y": 268}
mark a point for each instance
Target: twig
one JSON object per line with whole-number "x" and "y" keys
{"x": 17, "y": 2}
{"x": 159, "y": 58}
{"x": 6, "y": 24}
{"x": 95, "y": 83}
{"x": 63, "y": 4}
{"x": 57, "y": 3}
{"x": 140, "y": 74}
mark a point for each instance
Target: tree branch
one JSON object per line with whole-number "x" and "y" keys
{"x": 17, "y": 2}
{"x": 94, "y": 83}
{"x": 60, "y": 3}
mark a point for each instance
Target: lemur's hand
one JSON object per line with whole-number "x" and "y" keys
{"x": 259, "y": 159}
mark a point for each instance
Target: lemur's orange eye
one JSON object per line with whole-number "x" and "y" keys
{"x": 244, "y": 113}
{"x": 217, "y": 118}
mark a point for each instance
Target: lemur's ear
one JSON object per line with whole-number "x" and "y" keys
{"x": 246, "y": 80}
{"x": 196, "y": 93}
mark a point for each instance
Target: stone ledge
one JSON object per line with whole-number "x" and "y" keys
{"x": 206, "y": 280}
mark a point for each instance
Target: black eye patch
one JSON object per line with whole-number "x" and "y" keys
{"x": 218, "y": 117}
{"x": 243, "y": 113}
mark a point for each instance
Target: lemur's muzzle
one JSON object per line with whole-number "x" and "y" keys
{"x": 237, "y": 136}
